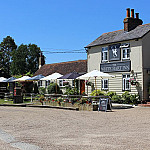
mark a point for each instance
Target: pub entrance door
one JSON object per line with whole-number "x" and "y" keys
{"x": 82, "y": 86}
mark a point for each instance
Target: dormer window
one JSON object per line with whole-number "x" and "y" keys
{"x": 104, "y": 54}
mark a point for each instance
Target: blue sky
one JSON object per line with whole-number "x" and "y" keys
{"x": 64, "y": 25}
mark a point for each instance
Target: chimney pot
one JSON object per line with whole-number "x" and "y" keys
{"x": 41, "y": 60}
{"x": 131, "y": 23}
{"x": 128, "y": 12}
{"x": 137, "y": 15}
{"x": 132, "y": 13}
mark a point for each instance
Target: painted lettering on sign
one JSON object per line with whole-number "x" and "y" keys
{"x": 116, "y": 67}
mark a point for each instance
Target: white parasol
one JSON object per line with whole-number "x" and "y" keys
{"x": 2, "y": 79}
{"x": 95, "y": 74}
{"x": 22, "y": 79}
{"x": 53, "y": 76}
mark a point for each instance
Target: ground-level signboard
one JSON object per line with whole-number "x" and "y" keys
{"x": 104, "y": 104}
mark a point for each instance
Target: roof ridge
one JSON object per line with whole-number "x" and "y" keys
{"x": 113, "y": 31}
{"x": 67, "y": 62}
{"x": 145, "y": 24}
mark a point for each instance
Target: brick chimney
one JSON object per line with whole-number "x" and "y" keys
{"x": 132, "y": 22}
{"x": 41, "y": 60}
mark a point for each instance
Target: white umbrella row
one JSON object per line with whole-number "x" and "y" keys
{"x": 54, "y": 76}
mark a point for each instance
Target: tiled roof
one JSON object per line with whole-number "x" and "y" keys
{"x": 63, "y": 68}
{"x": 121, "y": 35}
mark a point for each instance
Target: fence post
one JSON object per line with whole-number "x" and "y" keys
{"x": 31, "y": 98}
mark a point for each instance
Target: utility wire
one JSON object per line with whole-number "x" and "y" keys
{"x": 52, "y": 51}
{"x": 61, "y": 52}
{"x": 64, "y": 49}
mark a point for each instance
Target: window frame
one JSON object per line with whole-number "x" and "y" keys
{"x": 104, "y": 54}
{"x": 126, "y": 53}
{"x": 73, "y": 83}
{"x": 124, "y": 82}
{"x": 40, "y": 83}
{"x": 103, "y": 84}
{"x": 61, "y": 83}
{"x": 47, "y": 83}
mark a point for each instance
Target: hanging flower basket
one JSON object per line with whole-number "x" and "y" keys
{"x": 65, "y": 83}
{"x": 89, "y": 83}
{"x": 133, "y": 81}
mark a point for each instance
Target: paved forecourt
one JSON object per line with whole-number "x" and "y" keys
{"x": 49, "y": 129}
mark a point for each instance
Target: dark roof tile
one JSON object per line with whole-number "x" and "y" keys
{"x": 120, "y": 35}
{"x": 63, "y": 68}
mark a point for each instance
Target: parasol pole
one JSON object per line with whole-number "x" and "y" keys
{"x": 56, "y": 86}
{"x": 87, "y": 85}
{"x": 87, "y": 89}
{"x": 95, "y": 86}
{"x": 74, "y": 85}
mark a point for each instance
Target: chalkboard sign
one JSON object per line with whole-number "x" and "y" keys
{"x": 103, "y": 104}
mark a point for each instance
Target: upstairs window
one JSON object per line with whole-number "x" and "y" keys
{"x": 126, "y": 82}
{"x": 104, "y": 84}
{"x": 126, "y": 53}
{"x": 104, "y": 54}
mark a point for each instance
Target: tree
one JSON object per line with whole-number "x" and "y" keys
{"x": 6, "y": 48}
{"x": 33, "y": 58}
{"x": 19, "y": 56}
{"x": 25, "y": 59}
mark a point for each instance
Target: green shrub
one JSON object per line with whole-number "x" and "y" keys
{"x": 53, "y": 88}
{"x": 126, "y": 97}
{"x": 83, "y": 100}
{"x": 42, "y": 98}
{"x": 135, "y": 99}
{"x": 42, "y": 90}
{"x": 116, "y": 98}
{"x": 71, "y": 91}
{"x": 59, "y": 99}
{"x": 97, "y": 93}
{"x": 111, "y": 94}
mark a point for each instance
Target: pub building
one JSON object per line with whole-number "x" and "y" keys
{"x": 126, "y": 55}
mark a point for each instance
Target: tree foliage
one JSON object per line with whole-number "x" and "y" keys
{"x": 7, "y": 46}
{"x": 21, "y": 60}
{"x": 25, "y": 59}
{"x": 54, "y": 88}
{"x": 19, "y": 56}
{"x": 33, "y": 57}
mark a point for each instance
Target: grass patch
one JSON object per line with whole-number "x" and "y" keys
{"x": 3, "y": 101}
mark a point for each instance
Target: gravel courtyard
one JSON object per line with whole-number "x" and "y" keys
{"x": 53, "y": 129}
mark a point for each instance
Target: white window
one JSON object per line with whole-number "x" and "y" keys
{"x": 104, "y": 54}
{"x": 47, "y": 83}
{"x": 62, "y": 83}
{"x": 125, "y": 82}
{"x": 73, "y": 83}
{"x": 125, "y": 53}
{"x": 40, "y": 83}
{"x": 104, "y": 84}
